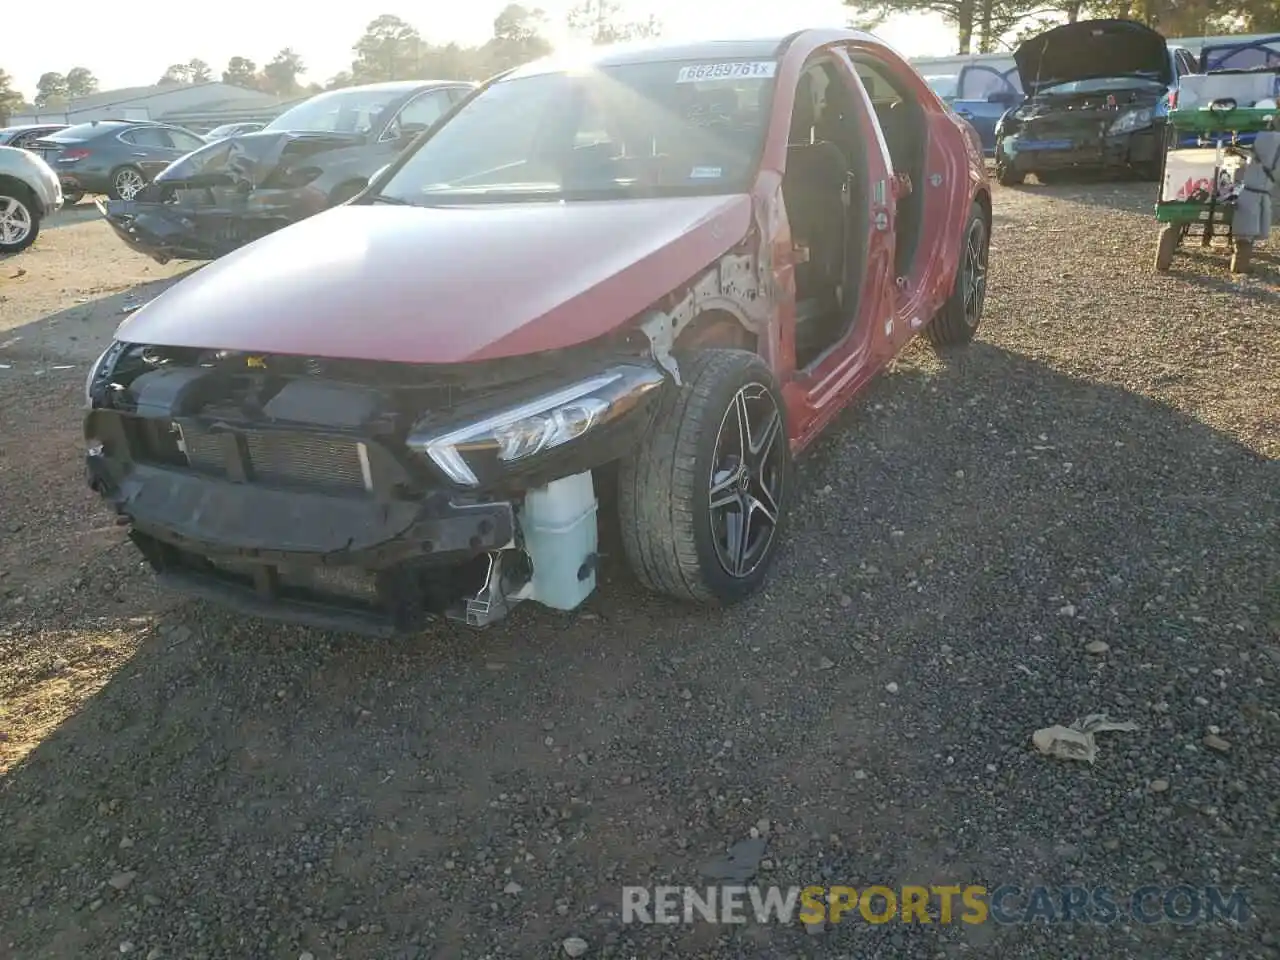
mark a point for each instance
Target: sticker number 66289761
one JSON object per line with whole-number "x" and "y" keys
{"x": 761, "y": 69}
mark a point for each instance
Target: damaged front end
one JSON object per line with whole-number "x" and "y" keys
{"x": 226, "y": 195}
{"x": 365, "y": 496}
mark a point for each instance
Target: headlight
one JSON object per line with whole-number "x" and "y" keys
{"x": 1132, "y": 120}
{"x": 102, "y": 369}
{"x": 536, "y": 426}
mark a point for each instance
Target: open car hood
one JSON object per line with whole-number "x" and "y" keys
{"x": 249, "y": 158}
{"x": 444, "y": 284}
{"x": 1092, "y": 50}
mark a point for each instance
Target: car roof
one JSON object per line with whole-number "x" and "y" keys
{"x": 30, "y": 126}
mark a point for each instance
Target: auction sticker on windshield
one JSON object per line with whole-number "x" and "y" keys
{"x": 760, "y": 69}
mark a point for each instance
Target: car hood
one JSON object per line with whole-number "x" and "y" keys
{"x": 249, "y": 158}
{"x": 1092, "y": 50}
{"x": 444, "y": 284}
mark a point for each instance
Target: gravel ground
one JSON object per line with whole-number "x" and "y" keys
{"x": 1098, "y": 473}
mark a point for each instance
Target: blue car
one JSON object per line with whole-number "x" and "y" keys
{"x": 1096, "y": 94}
{"x": 984, "y": 94}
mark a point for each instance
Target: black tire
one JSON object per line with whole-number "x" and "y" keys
{"x": 669, "y": 532}
{"x": 1008, "y": 176}
{"x": 115, "y": 186}
{"x": 71, "y": 199}
{"x": 21, "y": 217}
{"x": 957, "y": 322}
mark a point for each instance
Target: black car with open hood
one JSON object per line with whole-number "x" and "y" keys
{"x": 1096, "y": 96}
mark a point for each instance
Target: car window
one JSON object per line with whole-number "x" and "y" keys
{"x": 185, "y": 141}
{"x": 979, "y": 82}
{"x": 25, "y": 140}
{"x": 354, "y": 110}
{"x": 147, "y": 137}
{"x": 663, "y": 128}
{"x": 418, "y": 114}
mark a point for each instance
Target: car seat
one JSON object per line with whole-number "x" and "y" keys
{"x": 813, "y": 191}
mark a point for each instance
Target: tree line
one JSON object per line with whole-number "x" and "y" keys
{"x": 987, "y": 26}
{"x": 392, "y": 49}
{"x": 389, "y": 49}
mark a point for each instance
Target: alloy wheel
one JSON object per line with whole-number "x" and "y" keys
{"x": 15, "y": 221}
{"x": 975, "y": 272}
{"x": 748, "y": 470}
{"x": 128, "y": 183}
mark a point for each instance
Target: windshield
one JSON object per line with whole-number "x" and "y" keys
{"x": 342, "y": 111}
{"x": 642, "y": 129}
{"x": 1103, "y": 84}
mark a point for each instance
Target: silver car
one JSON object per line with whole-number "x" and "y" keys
{"x": 29, "y": 192}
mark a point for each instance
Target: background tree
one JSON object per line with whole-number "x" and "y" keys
{"x": 280, "y": 76}
{"x": 198, "y": 71}
{"x": 389, "y": 50}
{"x": 518, "y": 37}
{"x": 194, "y": 70}
{"x": 605, "y": 21}
{"x": 241, "y": 72}
{"x": 81, "y": 83}
{"x": 339, "y": 80}
{"x": 10, "y": 99}
{"x": 174, "y": 74}
{"x": 51, "y": 90}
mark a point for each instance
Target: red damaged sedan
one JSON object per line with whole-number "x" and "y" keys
{"x": 653, "y": 278}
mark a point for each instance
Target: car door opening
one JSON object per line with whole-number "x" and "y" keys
{"x": 903, "y": 124}
{"x": 824, "y": 190}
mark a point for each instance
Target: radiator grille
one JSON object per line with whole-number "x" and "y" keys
{"x": 289, "y": 459}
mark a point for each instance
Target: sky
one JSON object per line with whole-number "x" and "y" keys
{"x": 139, "y": 48}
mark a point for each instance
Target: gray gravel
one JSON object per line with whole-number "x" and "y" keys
{"x": 1099, "y": 470}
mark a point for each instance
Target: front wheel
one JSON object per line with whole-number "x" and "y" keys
{"x": 19, "y": 222}
{"x": 1006, "y": 175}
{"x": 702, "y": 503}
{"x": 957, "y": 322}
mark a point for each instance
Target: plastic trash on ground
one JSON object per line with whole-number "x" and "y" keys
{"x": 1076, "y": 742}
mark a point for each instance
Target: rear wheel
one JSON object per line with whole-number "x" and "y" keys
{"x": 126, "y": 182}
{"x": 702, "y": 503}
{"x": 1006, "y": 175}
{"x": 957, "y": 322}
{"x": 19, "y": 221}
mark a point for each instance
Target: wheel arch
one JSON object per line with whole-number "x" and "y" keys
{"x": 716, "y": 327}
{"x": 23, "y": 191}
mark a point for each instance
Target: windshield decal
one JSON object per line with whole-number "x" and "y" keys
{"x": 708, "y": 172}
{"x": 760, "y": 69}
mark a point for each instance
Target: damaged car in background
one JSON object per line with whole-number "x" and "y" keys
{"x": 629, "y": 290}
{"x": 313, "y": 156}
{"x": 1097, "y": 94}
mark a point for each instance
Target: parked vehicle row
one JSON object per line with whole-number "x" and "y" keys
{"x": 316, "y": 155}
{"x": 650, "y": 281}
